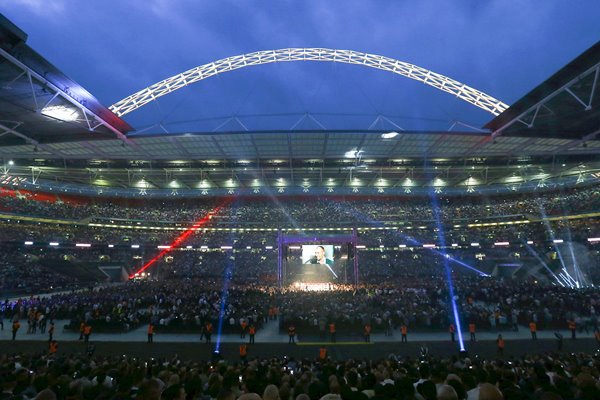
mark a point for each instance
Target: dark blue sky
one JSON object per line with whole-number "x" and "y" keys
{"x": 114, "y": 48}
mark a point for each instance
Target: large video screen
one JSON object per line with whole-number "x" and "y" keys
{"x": 317, "y": 263}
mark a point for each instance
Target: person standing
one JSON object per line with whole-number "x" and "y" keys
{"x": 533, "y": 330}
{"x": 322, "y": 353}
{"x": 404, "y": 332}
{"x": 559, "y": 341}
{"x": 500, "y": 343}
{"x": 573, "y": 328}
{"x": 51, "y": 331}
{"x": 251, "y": 333}
{"x": 243, "y": 352}
{"x": 15, "y": 328}
{"x": 81, "y": 329}
{"x": 292, "y": 333}
{"x": 150, "y": 333}
{"x": 367, "y": 332}
{"x": 243, "y": 326}
{"x": 597, "y": 337}
{"x": 452, "y": 331}
{"x": 52, "y": 348}
{"x": 87, "y": 331}
{"x": 472, "y": 331}
{"x": 332, "y": 332}
{"x": 208, "y": 330}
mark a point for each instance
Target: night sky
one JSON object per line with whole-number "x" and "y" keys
{"x": 114, "y": 48}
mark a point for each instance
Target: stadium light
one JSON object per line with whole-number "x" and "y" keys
{"x": 557, "y": 241}
{"x": 62, "y": 113}
{"x": 28, "y": 243}
{"x": 474, "y": 244}
{"x": 501, "y": 244}
{"x": 53, "y": 243}
{"x": 226, "y": 247}
{"x": 111, "y": 246}
{"x": 83, "y": 245}
{"x": 11, "y": 162}
{"x": 593, "y": 240}
{"x": 389, "y": 135}
{"x": 135, "y": 246}
{"x": 429, "y": 246}
{"x": 162, "y": 246}
{"x": 530, "y": 242}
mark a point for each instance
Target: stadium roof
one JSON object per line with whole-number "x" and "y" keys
{"x": 56, "y": 131}
{"x": 564, "y": 106}
{"x": 41, "y": 105}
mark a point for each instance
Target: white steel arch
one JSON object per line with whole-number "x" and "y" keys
{"x": 438, "y": 81}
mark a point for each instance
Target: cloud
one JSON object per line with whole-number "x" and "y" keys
{"x": 38, "y": 7}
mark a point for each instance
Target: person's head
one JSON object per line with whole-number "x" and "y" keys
{"x": 446, "y": 392}
{"x": 320, "y": 253}
{"x": 487, "y": 391}
{"x": 271, "y": 393}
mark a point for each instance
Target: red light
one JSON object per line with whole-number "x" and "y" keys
{"x": 180, "y": 239}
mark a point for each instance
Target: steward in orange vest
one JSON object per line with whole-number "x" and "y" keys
{"x": 15, "y": 328}
{"x": 53, "y": 348}
{"x": 292, "y": 334}
{"x": 87, "y": 331}
{"x": 208, "y": 330}
{"x": 243, "y": 351}
{"x": 81, "y": 329}
{"x": 332, "y": 332}
{"x": 403, "y": 331}
{"x": 452, "y": 330}
{"x": 533, "y": 330}
{"x": 500, "y": 343}
{"x": 322, "y": 353}
{"x": 150, "y": 333}
{"x": 367, "y": 333}
{"x": 243, "y": 326}
{"x": 252, "y": 332}
{"x": 472, "y": 331}
{"x": 572, "y": 328}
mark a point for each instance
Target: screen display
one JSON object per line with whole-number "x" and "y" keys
{"x": 316, "y": 263}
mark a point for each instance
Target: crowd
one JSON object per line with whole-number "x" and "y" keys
{"x": 308, "y": 211}
{"x": 548, "y": 376}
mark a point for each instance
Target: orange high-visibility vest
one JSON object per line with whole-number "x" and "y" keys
{"x": 87, "y": 330}
{"x": 150, "y": 329}
{"x": 572, "y": 325}
{"x": 209, "y": 328}
{"x": 532, "y": 327}
{"x": 471, "y": 328}
{"x": 332, "y": 328}
{"x": 322, "y": 353}
{"x": 403, "y": 329}
{"x": 451, "y": 328}
{"x": 367, "y": 329}
{"x": 244, "y": 324}
{"x": 243, "y": 350}
{"x": 500, "y": 343}
{"x": 252, "y": 330}
{"x": 82, "y": 327}
{"x": 53, "y": 347}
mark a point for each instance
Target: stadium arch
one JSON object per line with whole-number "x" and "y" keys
{"x": 438, "y": 81}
